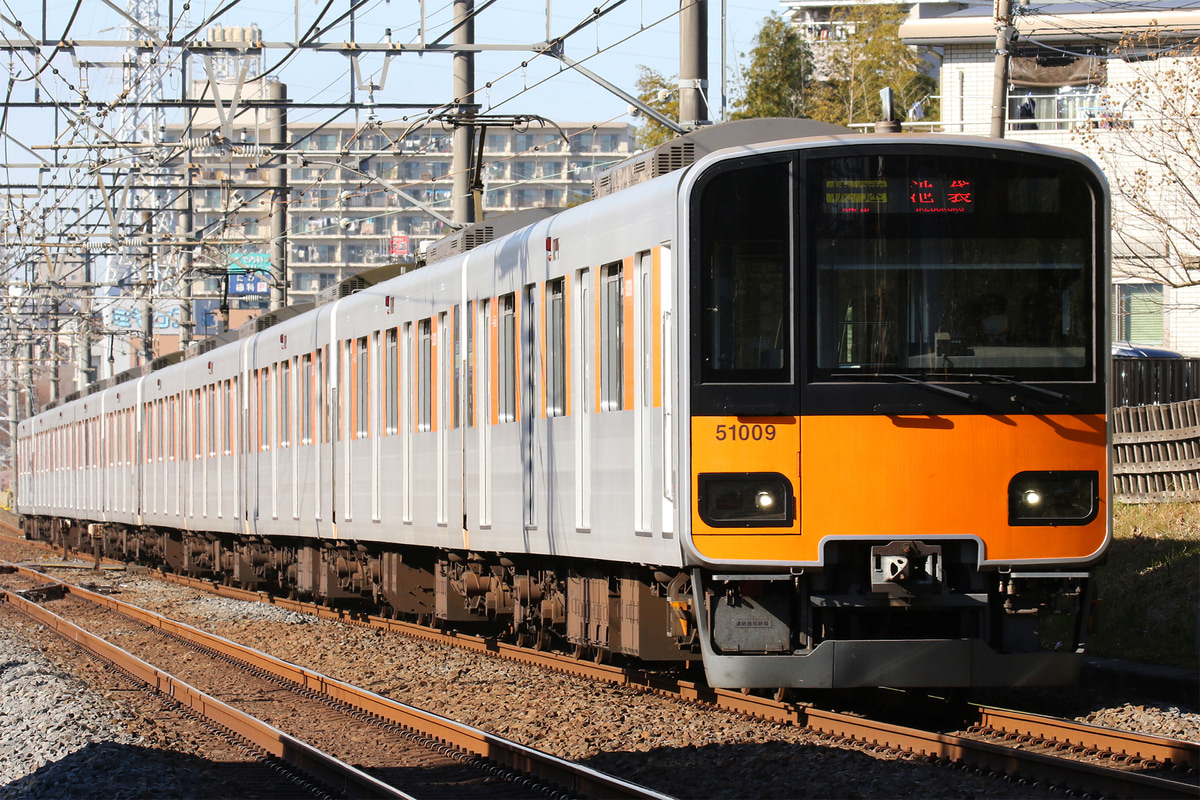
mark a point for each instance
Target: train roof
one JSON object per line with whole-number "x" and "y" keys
{"x": 685, "y": 150}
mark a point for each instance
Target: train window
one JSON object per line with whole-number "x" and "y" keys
{"x": 363, "y": 390}
{"x": 264, "y": 409}
{"x": 424, "y": 373}
{"x": 347, "y": 428}
{"x": 322, "y": 412}
{"x": 744, "y": 275}
{"x": 306, "y": 399}
{"x": 391, "y": 379}
{"x": 507, "y": 366}
{"x": 472, "y": 309}
{"x": 612, "y": 350}
{"x": 556, "y": 350}
{"x": 231, "y": 416}
{"x": 486, "y": 351}
{"x": 454, "y": 368}
{"x": 285, "y": 403}
{"x": 928, "y": 263}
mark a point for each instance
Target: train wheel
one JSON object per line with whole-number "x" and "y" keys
{"x": 543, "y": 638}
{"x": 577, "y": 654}
{"x": 783, "y": 694}
{"x": 601, "y": 655}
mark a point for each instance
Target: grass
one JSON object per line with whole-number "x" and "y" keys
{"x": 1150, "y": 587}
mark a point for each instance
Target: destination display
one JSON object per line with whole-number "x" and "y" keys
{"x": 899, "y": 196}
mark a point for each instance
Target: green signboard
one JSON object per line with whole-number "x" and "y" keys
{"x": 249, "y": 262}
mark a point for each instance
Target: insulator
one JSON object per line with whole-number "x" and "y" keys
{"x": 96, "y": 247}
{"x": 251, "y": 150}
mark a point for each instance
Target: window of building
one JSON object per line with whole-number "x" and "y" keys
{"x": 524, "y": 142}
{"x": 497, "y": 142}
{"x": 1138, "y": 313}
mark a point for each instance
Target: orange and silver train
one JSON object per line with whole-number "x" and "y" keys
{"x": 818, "y": 409}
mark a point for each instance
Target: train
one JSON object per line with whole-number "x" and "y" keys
{"x": 811, "y": 407}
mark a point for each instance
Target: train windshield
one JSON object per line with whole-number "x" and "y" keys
{"x": 936, "y": 265}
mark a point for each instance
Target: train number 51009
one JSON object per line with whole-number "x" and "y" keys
{"x": 745, "y": 433}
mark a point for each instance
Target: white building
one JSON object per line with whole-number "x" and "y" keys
{"x": 1070, "y": 85}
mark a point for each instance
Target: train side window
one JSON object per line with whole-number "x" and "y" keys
{"x": 453, "y": 371}
{"x": 556, "y": 349}
{"x": 264, "y": 409}
{"x": 507, "y": 368}
{"x": 612, "y": 314}
{"x": 285, "y": 403}
{"x": 472, "y": 310}
{"x": 306, "y": 399}
{"x": 322, "y": 412}
{"x": 424, "y": 374}
{"x": 232, "y": 417}
{"x": 211, "y": 413}
{"x": 392, "y": 381}
{"x": 485, "y": 351}
{"x": 363, "y": 388}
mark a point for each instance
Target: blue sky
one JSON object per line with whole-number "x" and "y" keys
{"x": 636, "y": 32}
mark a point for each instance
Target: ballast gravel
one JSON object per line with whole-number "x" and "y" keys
{"x": 687, "y": 751}
{"x": 61, "y": 738}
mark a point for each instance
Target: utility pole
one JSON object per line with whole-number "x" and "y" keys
{"x": 184, "y": 231}
{"x": 83, "y": 342}
{"x": 277, "y": 179}
{"x": 463, "y": 211}
{"x": 1000, "y": 82}
{"x": 693, "y": 63}
{"x": 147, "y": 271}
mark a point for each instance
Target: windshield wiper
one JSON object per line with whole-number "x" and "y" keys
{"x": 1028, "y": 386}
{"x": 937, "y": 387}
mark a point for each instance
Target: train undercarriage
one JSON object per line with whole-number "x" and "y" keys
{"x": 900, "y": 614}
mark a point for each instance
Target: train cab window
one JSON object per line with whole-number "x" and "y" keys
{"x": 612, "y": 335}
{"x": 556, "y": 350}
{"x": 941, "y": 265}
{"x": 507, "y": 362}
{"x": 744, "y": 275}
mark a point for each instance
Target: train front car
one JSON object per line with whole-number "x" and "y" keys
{"x": 898, "y": 456}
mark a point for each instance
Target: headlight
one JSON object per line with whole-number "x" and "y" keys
{"x": 745, "y": 499}
{"x": 1053, "y": 498}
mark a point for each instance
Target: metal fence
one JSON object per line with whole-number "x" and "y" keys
{"x": 1156, "y": 452}
{"x": 1147, "y": 381}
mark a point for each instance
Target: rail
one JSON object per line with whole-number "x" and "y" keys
{"x": 577, "y": 779}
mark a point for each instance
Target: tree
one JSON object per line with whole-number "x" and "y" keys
{"x": 1146, "y": 135}
{"x": 661, "y": 94}
{"x": 777, "y": 81}
{"x": 865, "y": 54}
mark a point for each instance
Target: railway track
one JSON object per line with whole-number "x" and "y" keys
{"x": 384, "y": 748}
{"x": 1026, "y": 748}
